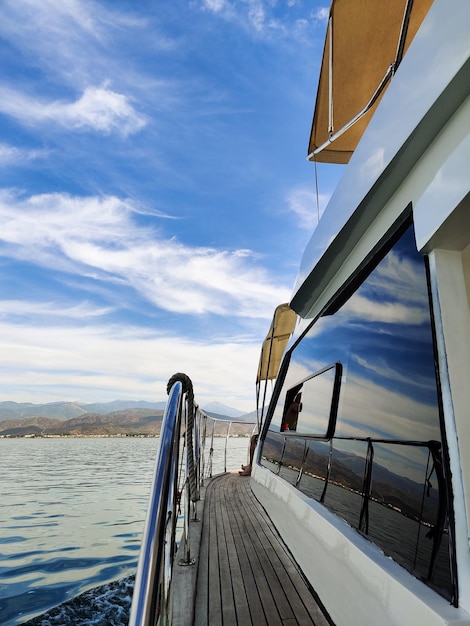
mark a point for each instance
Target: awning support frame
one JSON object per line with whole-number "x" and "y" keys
{"x": 332, "y": 136}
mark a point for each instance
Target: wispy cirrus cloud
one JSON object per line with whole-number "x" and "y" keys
{"x": 264, "y": 18}
{"x": 100, "y": 238}
{"x": 12, "y": 155}
{"x": 98, "y": 109}
{"x": 77, "y": 47}
{"x": 59, "y": 36}
{"x": 51, "y": 309}
{"x": 303, "y": 203}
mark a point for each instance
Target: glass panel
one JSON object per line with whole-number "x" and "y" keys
{"x": 344, "y": 493}
{"x": 387, "y": 415}
{"x": 407, "y": 516}
{"x": 292, "y": 459}
{"x": 315, "y": 470}
{"x": 272, "y": 450}
{"x": 310, "y": 407}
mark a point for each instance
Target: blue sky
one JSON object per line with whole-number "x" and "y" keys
{"x": 155, "y": 198}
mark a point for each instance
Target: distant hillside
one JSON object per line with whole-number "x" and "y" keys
{"x": 132, "y": 421}
{"x": 58, "y": 410}
{"x": 120, "y": 405}
{"x": 126, "y": 422}
{"x": 217, "y": 408}
{"x": 68, "y": 410}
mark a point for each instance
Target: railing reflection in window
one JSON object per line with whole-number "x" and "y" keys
{"x": 367, "y": 441}
{"x": 406, "y": 518}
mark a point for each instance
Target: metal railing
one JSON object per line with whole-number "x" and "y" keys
{"x": 183, "y": 442}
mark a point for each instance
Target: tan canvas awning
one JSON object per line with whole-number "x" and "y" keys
{"x": 275, "y": 342}
{"x": 363, "y": 45}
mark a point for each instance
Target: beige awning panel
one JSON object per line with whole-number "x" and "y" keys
{"x": 275, "y": 343}
{"x": 365, "y": 36}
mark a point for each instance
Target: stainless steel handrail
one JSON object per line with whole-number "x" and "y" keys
{"x": 152, "y": 592}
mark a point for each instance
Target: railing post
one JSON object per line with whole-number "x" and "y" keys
{"x": 151, "y": 602}
{"x": 186, "y": 560}
{"x": 226, "y": 445}
{"x": 211, "y": 451}
{"x": 203, "y": 451}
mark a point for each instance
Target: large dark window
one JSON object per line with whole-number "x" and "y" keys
{"x": 365, "y": 439}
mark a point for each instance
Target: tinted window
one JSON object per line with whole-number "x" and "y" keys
{"x": 382, "y": 468}
{"x": 310, "y": 407}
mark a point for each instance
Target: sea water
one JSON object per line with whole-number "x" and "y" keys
{"x": 72, "y": 513}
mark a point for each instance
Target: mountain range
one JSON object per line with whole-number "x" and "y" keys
{"x": 119, "y": 417}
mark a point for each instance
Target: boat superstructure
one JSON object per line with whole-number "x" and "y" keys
{"x": 361, "y": 462}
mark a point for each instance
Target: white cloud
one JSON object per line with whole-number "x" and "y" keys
{"x": 393, "y": 413}
{"x": 102, "y": 110}
{"x": 321, "y": 14}
{"x": 363, "y": 308}
{"x": 48, "y": 310}
{"x": 214, "y": 5}
{"x": 303, "y": 203}
{"x": 398, "y": 280}
{"x": 100, "y": 363}
{"x": 259, "y": 17}
{"x": 98, "y": 238}
{"x": 10, "y": 155}
{"x": 256, "y": 15}
{"x": 381, "y": 368}
{"x": 401, "y": 279}
{"x": 57, "y": 34}
{"x": 98, "y": 109}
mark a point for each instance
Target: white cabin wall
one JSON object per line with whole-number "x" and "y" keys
{"x": 447, "y": 167}
{"x": 378, "y": 591}
{"x": 423, "y": 156}
{"x": 442, "y": 226}
{"x": 450, "y": 272}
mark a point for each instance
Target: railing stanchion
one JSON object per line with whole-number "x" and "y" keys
{"x": 211, "y": 451}
{"x": 226, "y": 444}
{"x": 151, "y": 601}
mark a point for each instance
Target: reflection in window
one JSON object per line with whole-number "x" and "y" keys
{"x": 316, "y": 469}
{"x": 310, "y": 407}
{"x": 292, "y": 459}
{"x": 273, "y": 448}
{"x": 344, "y": 493}
{"x": 380, "y": 468}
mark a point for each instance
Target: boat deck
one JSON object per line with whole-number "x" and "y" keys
{"x": 245, "y": 573}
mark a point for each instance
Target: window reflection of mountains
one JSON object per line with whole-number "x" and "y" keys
{"x": 404, "y": 517}
{"x": 412, "y": 499}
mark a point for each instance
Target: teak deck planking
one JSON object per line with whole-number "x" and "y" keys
{"x": 246, "y": 576}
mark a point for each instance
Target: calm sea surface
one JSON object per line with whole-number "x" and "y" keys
{"x": 72, "y": 512}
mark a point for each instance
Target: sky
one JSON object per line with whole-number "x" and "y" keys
{"x": 155, "y": 196}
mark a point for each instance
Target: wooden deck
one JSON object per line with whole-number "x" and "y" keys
{"x": 245, "y": 574}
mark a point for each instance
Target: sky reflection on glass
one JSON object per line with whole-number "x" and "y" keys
{"x": 382, "y": 337}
